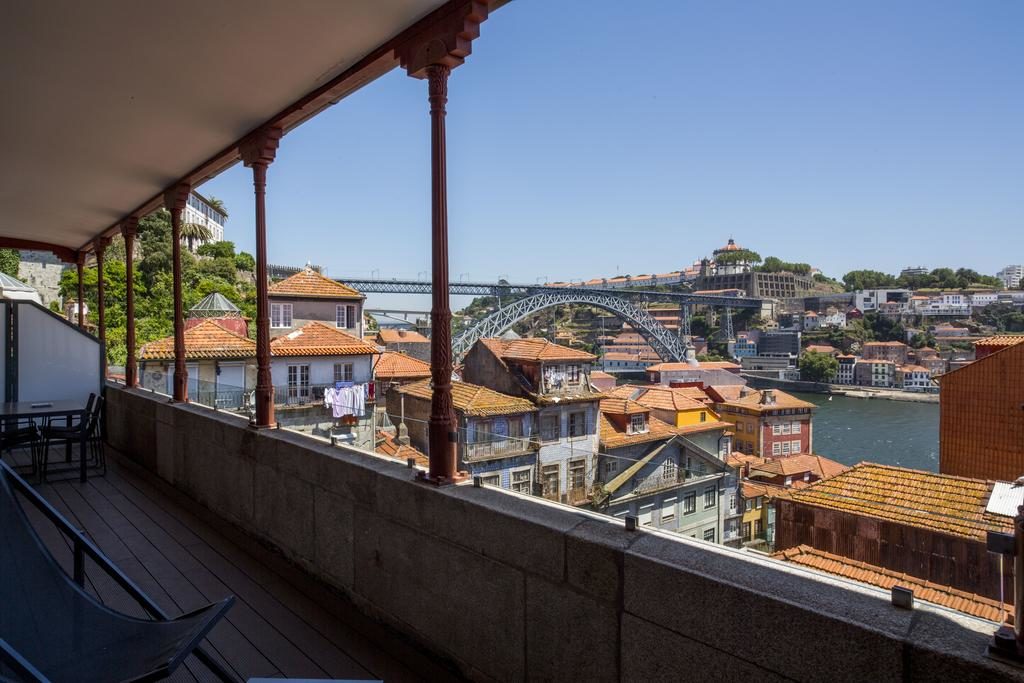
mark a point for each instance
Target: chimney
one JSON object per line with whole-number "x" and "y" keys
{"x": 768, "y": 397}
{"x": 403, "y": 434}
{"x": 401, "y": 332}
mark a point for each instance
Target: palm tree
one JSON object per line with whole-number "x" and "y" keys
{"x": 217, "y": 204}
{"x": 195, "y": 231}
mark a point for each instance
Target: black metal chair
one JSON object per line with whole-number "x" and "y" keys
{"x": 88, "y": 428}
{"x": 27, "y": 435}
{"x": 51, "y": 629}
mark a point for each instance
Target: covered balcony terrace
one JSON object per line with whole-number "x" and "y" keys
{"x": 344, "y": 563}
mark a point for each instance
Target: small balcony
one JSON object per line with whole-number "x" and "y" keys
{"x": 501, "y": 448}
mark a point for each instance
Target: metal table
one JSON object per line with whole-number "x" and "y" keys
{"x": 25, "y": 410}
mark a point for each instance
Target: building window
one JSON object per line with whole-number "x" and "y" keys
{"x": 340, "y": 319}
{"x": 668, "y": 510}
{"x": 794, "y": 446}
{"x": 549, "y": 427}
{"x": 689, "y": 503}
{"x": 776, "y": 430}
{"x": 701, "y": 469}
{"x": 577, "y": 424}
{"x": 491, "y": 479}
{"x": 577, "y": 474}
{"x": 787, "y": 427}
{"x": 522, "y": 480}
{"x": 746, "y": 531}
{"x": 351, "y": 317}
{"x": 750, "y": 428}
{"x": 758, "y": 502}
{"x": 573, "y": 373}
{"x": 789, "y": 481}
{"x": 646, "y": 513}
{"x": 549, "y": 480}
{"x": 298, "y": 381}
{"x": 758, "y": 527}
{"x": 668, "y": 469}
{"x": 732, "y": 501}
{"x": 796, "y": 427}
{"x": 776, "y": 448}
{"x": 710, "y": 497}
{"x": 709, "y": 535}
{"x": 343, "y": 372}
{"x": 637, "y": 423}
{"x": 785, "y": 448}
{"x": 807, "y": 476}
{"x": 280, "y": 315}
{"x": 611, "y": 466}
{"x": 703, "y": 416}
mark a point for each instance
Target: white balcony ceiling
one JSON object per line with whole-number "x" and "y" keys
{"x": 108, "y": 102}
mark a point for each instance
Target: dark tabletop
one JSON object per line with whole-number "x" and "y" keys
{"x": 41, "y": 408}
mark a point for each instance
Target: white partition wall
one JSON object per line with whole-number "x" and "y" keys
{"x": 55, "y": 360}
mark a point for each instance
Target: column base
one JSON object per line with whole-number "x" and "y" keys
{"x": 425, "y": 478}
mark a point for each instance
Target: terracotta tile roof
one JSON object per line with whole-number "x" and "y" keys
{"x": 938, "y": 502}
{"x": 207, "y": 340}
{"x": 946, "y": 596}
{"x": 738, "y": 459}
{"x": 798, "y": 464}
{"x": 875, "y": 360}
{"x": 878, "y": 344}
{"x": 392, "y": 336}
{"x": 753, "y": 489}
{"x": 319, "y": 339}
{"x": 598, "y": 374}
{"x": 752, "y": 401}
{"x": 474, "y": 400}
{"x": 638, "y": 356}
{"x": 705, "y": 365}
{"x": 912, "y": 368}
{"x": 612, "y": 434}
{"x": 309, "y": 283}
{"x": 659, "y": 397}
{"x": 1001, "y": 340}
{"x": 729, "y": 392}
{"x": 387, "y": 444}
{"x": 393, "y": 365}
{"x": 535, "y": 350}
{"x": 820, "y": 348}
{"x": 622, "y": 406}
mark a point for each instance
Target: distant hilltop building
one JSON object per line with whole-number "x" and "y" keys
{"x": 1011, "y": 276}
{"x": 41, "y": 270}
{"x": 913, "y": 271}
{"x": 200, "y": 211}
{"x": 733, "y": 273}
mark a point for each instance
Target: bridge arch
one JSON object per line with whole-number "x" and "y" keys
{"x": 667, "y": 345}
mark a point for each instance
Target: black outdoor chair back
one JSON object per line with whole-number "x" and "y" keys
{"x": 52, "y": 629}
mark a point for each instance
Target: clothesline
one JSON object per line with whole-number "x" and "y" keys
{"x": 346, "y": 400}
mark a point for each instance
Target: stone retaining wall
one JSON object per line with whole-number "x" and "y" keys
{"x": 510, "y": 588}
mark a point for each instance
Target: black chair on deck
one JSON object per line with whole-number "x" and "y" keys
{"x": 51, "y": 629}
{"x": 88, "y": 427}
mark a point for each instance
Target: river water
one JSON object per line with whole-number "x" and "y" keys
{"x": 849, "y": 430}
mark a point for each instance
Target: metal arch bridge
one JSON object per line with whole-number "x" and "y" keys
{"x": 383, "y": 286}
{"x": 667, "y": 345}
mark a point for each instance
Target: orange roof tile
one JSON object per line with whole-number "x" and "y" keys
{"x": 535, "y": 350}
{"x": 622, "y": 406}
{"x": 752, "y": 489}
{"x": 945, "y": 596}
{"x": 613, "y": 434}
{"x": 598, "y": 374}
{"x": 820, "y": 348}
{"x": 752, "y": 401}
{"x": 207, "y": 340}
{"x": 309, "y": 283}
{"x": 474, "y": 400}
{"x": 393, "y": 365}
{"x": 387, "y": 444}
{"x": 798, "y": 464}
{"x": 319, "y": 339}
{"x": 392, "y": 336}
{"x": 1001, "y": 340}
{"x": 877, "y": 344}
{"x": 659, "y": 397}
{"x": 738, "y": 459}
{"x": 939, "y": 502}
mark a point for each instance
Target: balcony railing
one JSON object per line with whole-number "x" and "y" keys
{"x": 661, "y": 480}
{"x": 502, "y": 447}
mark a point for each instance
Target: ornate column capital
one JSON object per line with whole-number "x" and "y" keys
{"x": 445, "y": 42}
{"x": 99, "y": 245}
{"x": 176, "y": 197}
{"x": 260, "y": 147}
{"x": 130, "y": 226}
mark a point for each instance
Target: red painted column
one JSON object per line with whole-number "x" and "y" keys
{"x": 443, "y": 436}
{"x": 258, "y": 151}
{"x": 100, "y": 248}
{"x": 80, "y": 263}
{"x": 129, "y": 228}
{"x": 175, "y": 200}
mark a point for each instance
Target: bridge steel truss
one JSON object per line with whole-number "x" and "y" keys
{"x": 497, "y": 289}
{"x": 667, "y": 345}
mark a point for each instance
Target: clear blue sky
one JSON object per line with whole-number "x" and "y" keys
{"x": 589, "y": 138}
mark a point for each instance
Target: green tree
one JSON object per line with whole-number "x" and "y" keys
{"x": 867, "y": 279}
{"x": 217, "y": 204}
{"x": 9, "y": 260}
{"x": 738, "y": 256}
{"x": 195, "y": 231}
{"x": 245, "y": 261}
{"x": 224, "y": 249}
{"x": 818, "y": 367}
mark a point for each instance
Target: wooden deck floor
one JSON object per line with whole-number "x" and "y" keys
{"x": 283, "y": 623}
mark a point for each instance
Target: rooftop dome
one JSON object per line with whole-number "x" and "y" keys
{"x": 730, "y": 246}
